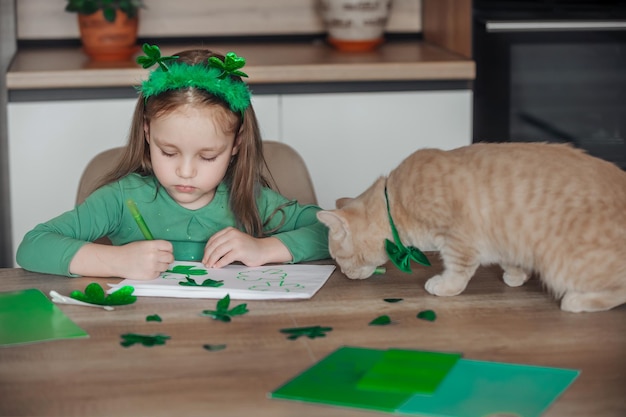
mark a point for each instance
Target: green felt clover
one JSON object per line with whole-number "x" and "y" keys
{"x": 222, "y": 313}
{"x": 230, "y": 65}
{"x": 153, "y": 56}
{"x": 399, "y": 254}
{"x": 311, "y": 332}
{"x": 380, "y": 321}
{"x": 428, "y": 315}
{"x": 130, "y": 339}
{"x": 94, "y": 294}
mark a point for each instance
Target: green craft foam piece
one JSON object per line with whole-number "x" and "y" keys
{"x": 380, "y": 321}
{"x": 94, "y": 294}
{"x": 409, "y": 371}
{"x": 427, "y": 315}
{"x": 129, "y": 339}
{"x": 154, "y": 317}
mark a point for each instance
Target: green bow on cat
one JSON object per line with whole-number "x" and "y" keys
{"x": 399, "y": 254}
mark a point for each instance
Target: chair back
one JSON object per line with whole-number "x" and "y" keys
{"x": 285, "y": 165}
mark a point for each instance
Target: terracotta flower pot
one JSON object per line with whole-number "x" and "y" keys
{"x": 108, "y": 41}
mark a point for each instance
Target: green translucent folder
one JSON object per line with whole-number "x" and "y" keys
{"x": 28, "y": 316}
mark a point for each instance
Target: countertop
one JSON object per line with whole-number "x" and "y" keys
{"x": 269, "y": 63}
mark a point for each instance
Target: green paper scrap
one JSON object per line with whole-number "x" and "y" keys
{"x": 392, "y": 300}
{"x": 333, "y": 380}
{"x": 28, "y": 316}
{"x": 130, "y": 339}
{"x": 380, "y": 321}
{"x": 409, "y": 371}
{"x": 214, "y": 348}
{"x": 428, "y": 315}
{"x": 470, "y": 389}
{"x": 311, "y": 332}
{"x": 154, "y": 317}
{"x": 94, "y": 294}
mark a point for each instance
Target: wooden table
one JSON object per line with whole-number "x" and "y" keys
{"x": 489, "y": 321}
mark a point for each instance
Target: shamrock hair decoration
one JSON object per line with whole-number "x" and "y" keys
{"x": 230, "y": 65}
{"x": 215, "y": 76}
{"x": 399, "y": 254}
{"x": 153, "y": 56}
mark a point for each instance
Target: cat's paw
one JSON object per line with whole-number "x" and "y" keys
{"x": 514, "y": 277}
{"x": 578, "y": 302}
{"x": 438, "y": 285}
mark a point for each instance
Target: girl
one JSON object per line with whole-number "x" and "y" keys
{"x": 193, "y": 168}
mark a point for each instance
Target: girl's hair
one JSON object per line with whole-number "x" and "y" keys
{"x": 244, "y": 176}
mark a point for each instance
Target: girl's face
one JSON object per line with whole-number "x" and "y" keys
{"x": 190, "y": 153}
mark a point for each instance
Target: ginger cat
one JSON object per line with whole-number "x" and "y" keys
{"x": 530, "y": 207}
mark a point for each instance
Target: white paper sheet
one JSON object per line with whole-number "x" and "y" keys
{"x": 297, "y": 281}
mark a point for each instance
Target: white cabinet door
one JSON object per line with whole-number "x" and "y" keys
{"x": 51, "y": 142}
{"x": 349, "y": 139}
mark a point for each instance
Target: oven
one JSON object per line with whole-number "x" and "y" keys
{"x": 551, "y": 71}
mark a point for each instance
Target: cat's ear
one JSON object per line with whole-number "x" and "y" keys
{"x": 341, "y": 202}
{"x": 337, "y": 224}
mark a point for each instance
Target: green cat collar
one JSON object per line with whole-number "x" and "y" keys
{"x": 399, "y": 254}
{"x": 214, "y": 77}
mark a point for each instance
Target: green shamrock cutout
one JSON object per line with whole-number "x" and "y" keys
{"x": 187, "y": 270}
{"x": 222, "y": 313}
{"x": 206, "y": 283}
{"x": 311, "y": 332}
{"x": 94, "y": 294}
{"x": 153, "y": 56}
{"x": 230, "y": 65}
{"x": 130, "y": 339}
{"x": 380, "y": 321}
{"x": 154, "y": 317}
{"x": 427, "y": 315}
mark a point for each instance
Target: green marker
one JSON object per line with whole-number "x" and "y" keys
{"x": 139, "y": 219}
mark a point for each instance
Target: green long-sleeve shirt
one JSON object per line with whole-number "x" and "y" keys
{"x": 50, "y": 246}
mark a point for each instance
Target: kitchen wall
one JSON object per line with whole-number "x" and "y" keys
{"x": 7, "y": 50}
{"x": 46, "y": 19}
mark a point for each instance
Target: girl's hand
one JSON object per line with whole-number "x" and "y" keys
{"x": 230, "y": 245}
{"x": 141, "y": 260}
{"x": 146, "y": 259}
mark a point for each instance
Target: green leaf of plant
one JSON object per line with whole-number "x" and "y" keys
{"x": 214, "y": 348}
{"x": 380, "y": 321}
{"x": 427, "y": 315}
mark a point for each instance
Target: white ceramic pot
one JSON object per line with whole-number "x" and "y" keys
{"x": 355, "y": 25}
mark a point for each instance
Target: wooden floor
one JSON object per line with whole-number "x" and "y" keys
{"x": 489, "y": 321}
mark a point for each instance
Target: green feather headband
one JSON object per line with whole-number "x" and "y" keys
{"x": 213, "y": 77}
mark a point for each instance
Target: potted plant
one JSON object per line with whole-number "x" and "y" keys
{"x": 108, "y": 28}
